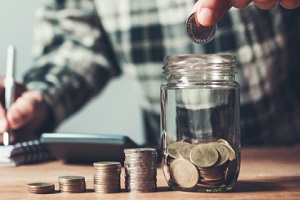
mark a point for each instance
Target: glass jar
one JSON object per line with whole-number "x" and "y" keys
{"x": 200, "y": 122}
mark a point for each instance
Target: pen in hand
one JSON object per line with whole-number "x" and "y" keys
{"x": 9, "y": 84}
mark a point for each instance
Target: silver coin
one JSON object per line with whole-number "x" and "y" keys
{"x": 198, "y": 33}
{"x": 138, "y": 150}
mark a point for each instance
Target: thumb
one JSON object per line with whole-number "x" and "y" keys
{"x": 210, "y": 11}
{"x": 3, "y": 120}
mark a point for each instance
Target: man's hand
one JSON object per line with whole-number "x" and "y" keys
{"x": 211, "y": 11}
{"x": 25, "y": 116}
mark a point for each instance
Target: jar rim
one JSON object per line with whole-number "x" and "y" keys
{"x": 181, "y": 63}
{"x": 210, "y": 58}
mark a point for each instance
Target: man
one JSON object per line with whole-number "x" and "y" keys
{"x": 81, "y": 45}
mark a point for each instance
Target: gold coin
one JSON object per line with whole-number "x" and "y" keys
{"x": 204, "y": 155}
{"x": 174, "y": 148}
{"x": 187, "y": 140}
{"x": 223, "y": 153}
{"x": 184, "y": 173}
{"x": 222, "y": 141}
{"x": 184, "y": 152}
{"x": 228, "y": 147}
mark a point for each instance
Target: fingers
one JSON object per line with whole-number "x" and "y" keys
{"x": 3, "y": 120}
{"x": 23, "y": 110}
{"x": 211, "y": 11}
{"x": 239, "y": 3}
{"x": 265, "y": 4}
{"x": 290, "y": 4}
{"x": 25, "y": 117}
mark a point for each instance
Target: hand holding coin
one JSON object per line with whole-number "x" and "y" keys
{"x": 198, "y": 33}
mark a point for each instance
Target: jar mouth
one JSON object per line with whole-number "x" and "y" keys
{"x": 183, "y": 63}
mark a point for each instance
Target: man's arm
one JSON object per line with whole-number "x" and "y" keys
{"x": 73, "y": 59}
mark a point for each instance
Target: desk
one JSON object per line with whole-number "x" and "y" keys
{"x": 266, "y": 173}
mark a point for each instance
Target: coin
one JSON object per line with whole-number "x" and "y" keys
{"x": 70, "y": 178}
{"x": 184, "y": 173}
{"x": 198, "y": 33}
{"x": 40, "y": 188}
{"x": 107, "y": 165}
{"x": 184, "y": 152}
{"x": 174, "y": 148}
{"x": 204, "y": 155}
{"x": 222, "y": 151}
{"x": 107, "y": 177}
{"x": 72, "y": 184}
{"x": 140, "y": 170}
{"x": 228, "y": 147}
{"x": 212, "y": 161}
{"x": 140, "y": 151}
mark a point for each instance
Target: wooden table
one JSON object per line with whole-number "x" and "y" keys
{"x": 266, "y": 173}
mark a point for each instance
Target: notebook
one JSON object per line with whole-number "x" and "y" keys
{"x": 28, "y": 152}
{"x": 87, "y": 147}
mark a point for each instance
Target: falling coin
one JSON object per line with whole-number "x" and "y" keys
{"x": 198, "y": 33}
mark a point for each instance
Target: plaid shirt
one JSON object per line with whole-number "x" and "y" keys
{"x": 80, "y": 45}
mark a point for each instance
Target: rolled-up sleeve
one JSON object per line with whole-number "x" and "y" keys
{"x": 72, "y": 57}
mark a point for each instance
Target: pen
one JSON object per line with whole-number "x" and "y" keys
{"x": 9, "y": 84}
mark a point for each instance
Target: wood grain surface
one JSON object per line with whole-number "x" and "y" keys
{"x": 266, "y": 173}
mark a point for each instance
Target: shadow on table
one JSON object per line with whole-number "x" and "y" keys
{"x": 286, "y": 183}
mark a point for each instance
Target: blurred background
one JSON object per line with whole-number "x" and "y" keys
{"x": 105, "y": 114}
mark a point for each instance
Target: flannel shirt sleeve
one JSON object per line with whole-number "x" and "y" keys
{"x": 72, "y": 57}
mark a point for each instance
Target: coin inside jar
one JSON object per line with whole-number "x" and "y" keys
{"x": 203, "y": 155}
{"x": 198, "y": 33}
{"x": 184, "y": 173}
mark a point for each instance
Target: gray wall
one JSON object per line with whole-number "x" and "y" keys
{"x": 105, "y": 114}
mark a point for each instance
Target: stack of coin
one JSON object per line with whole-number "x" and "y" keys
{"x": 215, "y": 164}
{"x": 107, "y": 177}
{"x": 140, "y": 170}
{"x": 41, "y": 188}
{"x": 72, "y": 184}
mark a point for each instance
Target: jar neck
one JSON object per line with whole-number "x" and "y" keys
{"x": 197, "y": 68}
